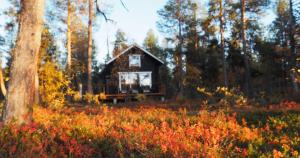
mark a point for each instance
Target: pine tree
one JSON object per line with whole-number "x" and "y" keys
{"x": 90, "y": 47}
{"x": 243, "y": 16}
{"x": 218, "y": 10}
{"x": 292, "y": 32}
{"x": 174, "y": 19}
{"x": 192, "y": 77}
{"x": 151, "y": 44}
{"x": 20, "y": 97}
{"x": 120, "y": 43}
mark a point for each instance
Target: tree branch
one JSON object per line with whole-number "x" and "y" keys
{"x": 124, "y": 6}
{"x": 102, "y": 13}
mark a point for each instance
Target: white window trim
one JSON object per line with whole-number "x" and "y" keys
{"x": 137, "y": 55}
{"x": 139, "y": 72}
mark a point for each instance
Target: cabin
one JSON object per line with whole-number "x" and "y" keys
{"x": 134, "y": 71}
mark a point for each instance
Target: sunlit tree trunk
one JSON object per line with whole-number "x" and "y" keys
{"x": 221, "y": 18}
{"x": 90, "y": 47}
{"x": 20, "y": 97}
{"x": 2, "y": 83}
{"x": 69, "y": 37}
{"x": 244, "y": 49}
{"x": 36, "y": 91}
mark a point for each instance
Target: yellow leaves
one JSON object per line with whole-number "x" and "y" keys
{"x": 204, "y": 91}
{"x": 102, "y": 96}
{"x": 53, "y": 85}
{"x": 91, "y": 99}
{"x": 141, "y": 97}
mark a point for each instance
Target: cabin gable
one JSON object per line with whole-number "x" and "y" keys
{"x": 119, "y": 68}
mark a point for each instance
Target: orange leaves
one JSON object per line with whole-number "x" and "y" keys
{"x": 144, "y": 132}
{"x": 277, "y": 154}
{"x": 285, "y": 105}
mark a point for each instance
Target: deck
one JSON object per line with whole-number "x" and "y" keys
{"x": 131, "y": 96}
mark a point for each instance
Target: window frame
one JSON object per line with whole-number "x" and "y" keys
{"x": 130, "y": 58}
{"x": 126, "y": 75}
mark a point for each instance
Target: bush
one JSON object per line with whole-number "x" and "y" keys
{"x": 53, "y": 86}
{"x": 111, "y": 132}
{"x": 141, "y": 97}
{"x": 224, "y": 96}
{"x": 91, "y": 99}
{"x": 76, "y": 97}
{"x": 151, "y": 132}
{"x": 102, "y": 96}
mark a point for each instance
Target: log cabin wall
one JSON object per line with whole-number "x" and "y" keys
{"x": 110, "y": 74}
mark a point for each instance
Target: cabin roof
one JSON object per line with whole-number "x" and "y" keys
{"x": 137, "y": 46}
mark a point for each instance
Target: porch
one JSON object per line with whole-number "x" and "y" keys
{"x": 132, "y": 96}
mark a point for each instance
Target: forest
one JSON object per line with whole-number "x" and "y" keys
{"x": 221, "y": 79}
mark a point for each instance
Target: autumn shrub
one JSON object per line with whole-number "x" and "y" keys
{"x": 91, "y": 99}
{"x": 102, "y": 96}
{"x": 141, "y": 97}
{"x": 53, "y": 86}
{"x": 279, "y": 131}
{"x": 225, "y": 97}
{"x": 76, "y": 97}
{"x": 151, "y": 132}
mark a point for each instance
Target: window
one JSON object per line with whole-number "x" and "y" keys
{"x": 145, "y": 78}
{"x": 134, "y": 81}
{"x": 135, "y": 60}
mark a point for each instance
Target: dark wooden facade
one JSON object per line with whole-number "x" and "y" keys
{"x": 120, "y": 64}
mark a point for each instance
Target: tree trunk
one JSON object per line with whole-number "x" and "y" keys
{"x": 69, "y": 38}
{"x": 36, "y": 91}
{"x": 293, "y": 48}
{"x": 179, "y": 62}
{"x": 221, "y": 18}
{"x": 90, "y": 47}
{"x": 20, "y": 97}
{"x": 245, "y": 54}
{"x": 2, "y": 83}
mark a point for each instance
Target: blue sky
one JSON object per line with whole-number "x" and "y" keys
{"x": 136, "y": 22}
{"x": 141, "y": 17}
{"x": 3, "y": 6}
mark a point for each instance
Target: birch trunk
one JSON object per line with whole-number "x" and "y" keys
{"x": 20, "y": 97}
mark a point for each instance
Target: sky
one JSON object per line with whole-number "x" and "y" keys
{"x": 140, "y": 17}
{"x": 3, "y": 6}
{"x": 136, "y": 22}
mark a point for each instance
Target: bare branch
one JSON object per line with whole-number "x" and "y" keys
{"x": 102, "y": 13}
{"x": 124, "y": 6}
